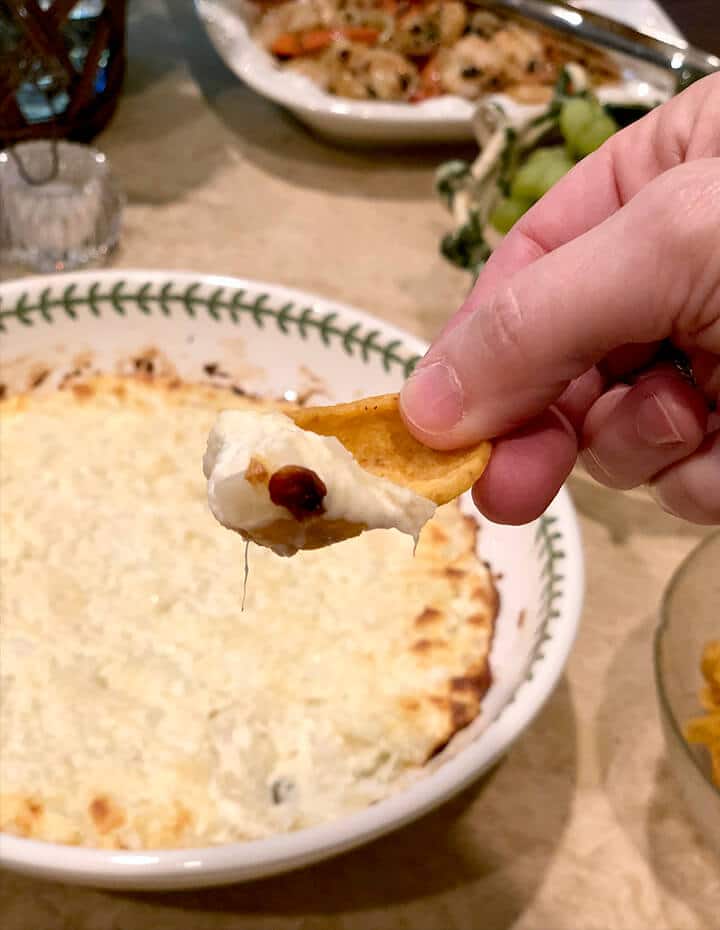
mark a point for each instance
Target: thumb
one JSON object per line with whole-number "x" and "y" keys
{"x": 641, "y": 275}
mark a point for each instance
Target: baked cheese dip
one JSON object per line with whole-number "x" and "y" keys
{"x": 289, "y": 489}
{"x": 139, "y": 706}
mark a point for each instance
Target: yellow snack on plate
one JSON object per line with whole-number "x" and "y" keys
{"x": 705, "y": 730}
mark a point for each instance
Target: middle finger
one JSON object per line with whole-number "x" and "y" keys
{"x": 632, "y": 433}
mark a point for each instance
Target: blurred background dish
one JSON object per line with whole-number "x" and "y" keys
{"x": 689, "y": 621}
{"x": 434, "y": 117}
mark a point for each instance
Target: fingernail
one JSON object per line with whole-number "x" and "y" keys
{"x": 432, "y": 398}
{"x": 655, "y": 424}
{"x": 589, "y": 455}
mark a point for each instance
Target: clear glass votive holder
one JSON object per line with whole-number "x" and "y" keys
{"x": 60, "y": 208}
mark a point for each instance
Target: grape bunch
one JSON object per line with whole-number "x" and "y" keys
{"x": 585, "y": 125}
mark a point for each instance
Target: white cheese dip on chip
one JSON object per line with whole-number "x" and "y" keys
{"x": 288, "y": 489}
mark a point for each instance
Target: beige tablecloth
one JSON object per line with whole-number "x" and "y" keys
{"x": 581, "y": 827}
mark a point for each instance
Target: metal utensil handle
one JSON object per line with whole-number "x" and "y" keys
{"x": 676, "y": 56}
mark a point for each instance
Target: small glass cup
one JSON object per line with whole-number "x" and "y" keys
{"x": 690, "y": 618}
{"x": 60, "y": 208}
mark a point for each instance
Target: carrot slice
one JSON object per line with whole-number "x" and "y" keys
{"x": 430, "y": 84}
{"x": 295, "y": 44}
{"x": 360, "y": 34}
{"x": 315, "y": 40}
{"x": 286, "y": 46}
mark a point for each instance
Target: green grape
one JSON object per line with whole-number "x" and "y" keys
{"x": 575, "y": 115}
{"x": 535, "y": 178}
{"x": 585, "y": 125}
{"x": 593, "y": 136}
{"x": 507, "y": 212}
{"x": 546, "y": 153}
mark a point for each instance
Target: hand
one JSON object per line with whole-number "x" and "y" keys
{"x": 554, "y": 350}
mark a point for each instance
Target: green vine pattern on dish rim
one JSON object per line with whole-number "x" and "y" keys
{"x": 228, "y": 303}
{"x": 223, "y": 303}
{"x": 548, "y": 540}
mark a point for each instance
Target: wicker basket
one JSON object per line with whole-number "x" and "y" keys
{"x": 35, "y": 43}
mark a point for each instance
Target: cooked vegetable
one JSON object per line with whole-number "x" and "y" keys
{"x": 295, "y": 44}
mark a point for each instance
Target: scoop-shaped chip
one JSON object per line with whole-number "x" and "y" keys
{"x": 373, "y": 430}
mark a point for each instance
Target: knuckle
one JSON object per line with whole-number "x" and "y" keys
{"x": 505, "y": 325}
{"x": 687, "y": 198}
{"x": 685, "y": 205}
{"x": 686, "y": 127}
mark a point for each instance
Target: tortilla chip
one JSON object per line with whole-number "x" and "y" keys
{"x": 373, "y": 430}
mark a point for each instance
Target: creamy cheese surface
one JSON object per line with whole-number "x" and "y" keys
{"x": 248, "y": 448}
{"x": 140, "y": 706}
